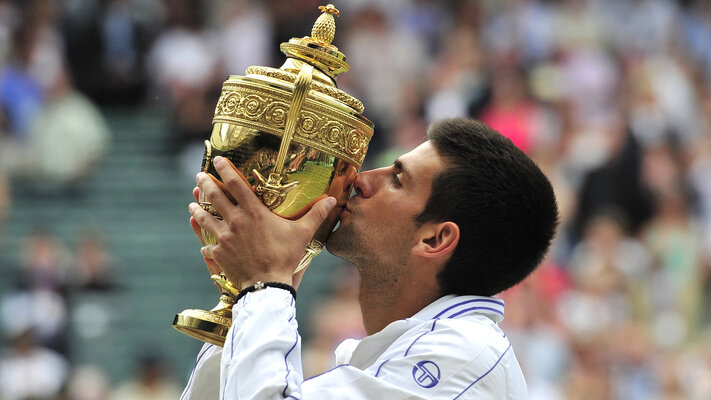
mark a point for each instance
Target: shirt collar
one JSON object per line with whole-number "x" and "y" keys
{"x": 451, "y": 306}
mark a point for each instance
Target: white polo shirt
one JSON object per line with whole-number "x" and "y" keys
{"x": 451, "y": 349}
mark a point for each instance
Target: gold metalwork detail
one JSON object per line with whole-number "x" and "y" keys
{"x": 206, "y": 157}
{"x": 264, "y": 108}
{"x": 211, "y": 317}
{"x": 313, "y": 249}
{"x": 207, "y": 206}
{"x": 317, "y": 48}
{"x": 225, "y": 284}
{"x": 325, "y": 27}
{"x": 329, "y": 60}
{"x": 332, "y": 91}
{"x": 301, "y": 90}
{"x": 271, "y": 190}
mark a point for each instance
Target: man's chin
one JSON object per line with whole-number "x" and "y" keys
{"x": 333, "y": 244}
{"x": 340, "y": 242}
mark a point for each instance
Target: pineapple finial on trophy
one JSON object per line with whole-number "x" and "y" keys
{"x": 318, "y": 49}
{"x": 325, "y": 26}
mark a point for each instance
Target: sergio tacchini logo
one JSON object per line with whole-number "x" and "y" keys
{"x": 426, "y": 374}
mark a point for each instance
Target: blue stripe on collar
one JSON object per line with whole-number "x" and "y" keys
{"x": 451, "y": 306}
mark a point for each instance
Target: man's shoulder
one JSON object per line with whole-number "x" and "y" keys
{"x": 445, "y": 358}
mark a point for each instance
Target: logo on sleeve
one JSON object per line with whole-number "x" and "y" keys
{"x": 426, "y": 374}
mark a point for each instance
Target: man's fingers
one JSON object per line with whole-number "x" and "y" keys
{"x": 212, "y": 266}
{"x": 196, "y": 193}
{"x": 208, "y": 252}
{"x": 197, "y": 229}
{"x": 223, "y": 188}
{"x": 235, "y": 183}
{"x": 318, "y": 213}
{"x": 214, "y": 194}
{"x": 204, "y": 219}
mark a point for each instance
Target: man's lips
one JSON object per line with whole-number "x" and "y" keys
{"x": 345, "y": 211}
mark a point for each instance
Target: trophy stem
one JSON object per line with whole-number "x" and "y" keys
{"x": 212, "y": 326}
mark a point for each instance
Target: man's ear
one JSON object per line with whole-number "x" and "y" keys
{"x": 437, "y": 239}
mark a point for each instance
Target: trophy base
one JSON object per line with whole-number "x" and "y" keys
{"x": 203, "y": 325}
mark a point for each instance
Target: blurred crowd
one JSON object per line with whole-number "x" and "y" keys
{"x": 60, "y": 292}
{"x": 612, "y": 98}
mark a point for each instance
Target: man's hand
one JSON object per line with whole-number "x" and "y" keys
{"x": 253, "y": 244}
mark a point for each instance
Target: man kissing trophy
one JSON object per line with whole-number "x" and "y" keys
{"x": 295, "y": 138}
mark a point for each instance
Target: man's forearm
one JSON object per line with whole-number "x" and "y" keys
{"x": 262, "y": 354}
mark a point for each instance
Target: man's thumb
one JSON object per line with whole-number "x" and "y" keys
{"x": 319, "y": 211}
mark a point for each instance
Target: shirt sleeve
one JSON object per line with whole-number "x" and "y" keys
{"x": 262, "y": 358}
{"x": 204, "y": 382}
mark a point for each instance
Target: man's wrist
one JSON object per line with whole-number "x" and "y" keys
{"x": 259, "y": 285}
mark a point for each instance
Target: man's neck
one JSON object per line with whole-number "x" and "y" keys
{"x": 384, "y": 302}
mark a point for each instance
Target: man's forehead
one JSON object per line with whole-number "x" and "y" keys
{"x": 424, "y": 159}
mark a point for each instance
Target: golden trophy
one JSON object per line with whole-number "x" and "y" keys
{"x": 296, "y": 136}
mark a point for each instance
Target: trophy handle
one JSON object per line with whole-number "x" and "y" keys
{"x": 272, "y": 190}
{"x": 226, "y": 286}
{"x": 312, "y": 250}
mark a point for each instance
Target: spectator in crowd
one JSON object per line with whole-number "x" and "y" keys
{"x": 39, "y": 301}
{"x": 29, "y": 371}
{"x": 59, "y": 135}
{"x": 511, "y": 112}
{"x": 93, "y": 262}
{"x": 150, "y": 383}
{"x": 5, "y": 203}
{"x": 88, "y": 383}
{"x": 21, "y": 94}
{"x": 68, "y": 139}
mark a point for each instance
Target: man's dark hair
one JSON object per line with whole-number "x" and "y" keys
{"x": 502, "y": 202}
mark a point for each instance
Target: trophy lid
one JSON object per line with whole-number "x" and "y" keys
{"x": 315, "y": 50}
{"x": 298, "y": 102}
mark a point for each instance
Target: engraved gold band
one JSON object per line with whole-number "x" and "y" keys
{"x": 332, "y": 91}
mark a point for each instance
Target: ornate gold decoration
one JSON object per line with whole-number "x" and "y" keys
{"x": 263, "y": 108}
{"x": 331, "y": 62}
{"x": 225, "y": 284}
{"x": 332, "y": 91}
{"x": 317, "y": 49}
{"x": 325, "y": 27}
{"x": 206, "y": 157}
{"x": 301, "y": 89}
{"x": 207, "y": 206}
{"x": 271, "y": 190}
{"x": 313, "y": 249}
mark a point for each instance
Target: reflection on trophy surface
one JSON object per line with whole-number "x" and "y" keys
{"x": 296, "y": 137}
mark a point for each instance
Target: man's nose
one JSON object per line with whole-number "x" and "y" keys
{"x": 366, "y": 183}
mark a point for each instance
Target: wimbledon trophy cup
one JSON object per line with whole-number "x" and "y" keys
{"x": 296, "y": 136}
